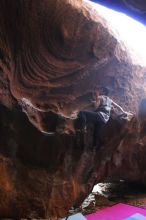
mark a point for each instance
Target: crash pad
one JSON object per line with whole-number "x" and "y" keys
{"x": 77, "y": 216}
{"x": 119, "y": 212}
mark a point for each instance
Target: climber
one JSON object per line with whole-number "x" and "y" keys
{"x": 99, "y": 115}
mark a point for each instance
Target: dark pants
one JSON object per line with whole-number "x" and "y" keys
{"x": 86, "y": 117}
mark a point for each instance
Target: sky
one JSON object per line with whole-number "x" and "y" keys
{"x": 132, "y": 32}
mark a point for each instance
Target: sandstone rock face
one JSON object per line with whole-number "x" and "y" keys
{"x": 54, "y": 55}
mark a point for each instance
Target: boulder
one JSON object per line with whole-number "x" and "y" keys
{"x": 54, "y": 56}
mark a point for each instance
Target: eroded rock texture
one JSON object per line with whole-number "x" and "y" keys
{"x": 54, "y": 55}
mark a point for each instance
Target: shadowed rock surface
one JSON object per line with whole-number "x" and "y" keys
{"x": 54, "y": 55}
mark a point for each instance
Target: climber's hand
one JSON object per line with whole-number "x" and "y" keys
{"x": 127, "y": 116}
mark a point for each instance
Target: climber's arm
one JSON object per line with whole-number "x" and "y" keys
{"x": 118, "y": 107}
